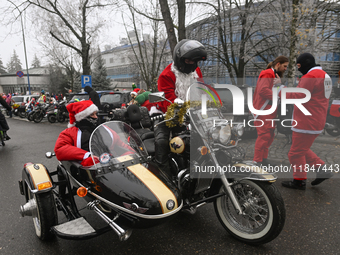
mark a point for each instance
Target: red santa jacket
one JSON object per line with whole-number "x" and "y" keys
{"x": 314, "y": 81}
{"x": 68, "y": 145}
{"x": 264, "y": 92}
{"x": 167, "y": 84}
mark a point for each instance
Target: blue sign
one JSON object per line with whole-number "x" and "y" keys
{"x": 20, "y": 74}
{"x": 86, "y": 80}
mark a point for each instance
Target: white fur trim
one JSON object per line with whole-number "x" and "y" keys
{"x": 88, "y": 111}
{"x": 133, "y": 93}
{"x": 69, "y": 125}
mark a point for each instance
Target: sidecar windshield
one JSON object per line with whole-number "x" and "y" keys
{"x": 204, "y": 107}
{"x": 116, "y": 143}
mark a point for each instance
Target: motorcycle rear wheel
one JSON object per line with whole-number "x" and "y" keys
{"x": 264, "y": 210}
{"x": 46, "y": 215}
{"x": 52, "y": 118}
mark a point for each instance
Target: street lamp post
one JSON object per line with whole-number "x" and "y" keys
{"x": 23, "y": 37}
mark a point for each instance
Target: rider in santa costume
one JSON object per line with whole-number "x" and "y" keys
{"x": 308, "y": 127}
{"x": 174, "y": 81}
{"x": 73, "y": 143}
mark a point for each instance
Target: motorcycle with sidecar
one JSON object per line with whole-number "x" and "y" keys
{"x": 127, "y": 190}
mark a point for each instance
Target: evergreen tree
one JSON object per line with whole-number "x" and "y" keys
{"x": 2, "y": 68}
{"x": 14, "y": 64}
{"x": 99, "y": 74}
{"x": 35, "y": 62}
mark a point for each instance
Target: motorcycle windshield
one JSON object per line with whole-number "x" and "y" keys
{"x": 116, "y": 143}
{"x": 205, "y": 104}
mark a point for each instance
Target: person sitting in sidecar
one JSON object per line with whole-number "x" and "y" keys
{"x": 73, "y": 143}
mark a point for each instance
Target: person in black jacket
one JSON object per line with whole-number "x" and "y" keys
{"x": 3, "y": 123}
{"x": 94, "y": 97}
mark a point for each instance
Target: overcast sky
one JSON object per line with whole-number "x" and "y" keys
{"x": 9, "y": 41}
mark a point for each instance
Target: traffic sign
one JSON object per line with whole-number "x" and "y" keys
{"x": 86, "y": 80}
{"x": 20, "y": 74}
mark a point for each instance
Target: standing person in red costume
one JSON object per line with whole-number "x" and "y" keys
{"x": 73, "y": 143}
{"x": 262, "y": 101}
{"x": 174, "y": 81}
{"x": 309, "y": 127}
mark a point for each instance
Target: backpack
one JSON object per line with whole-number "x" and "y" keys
{"x": 289, "y": 116}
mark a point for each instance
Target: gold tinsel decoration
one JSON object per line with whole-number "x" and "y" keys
{"x": 180, "y": 111}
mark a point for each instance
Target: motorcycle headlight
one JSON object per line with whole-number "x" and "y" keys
{"x": 224, "y": 134}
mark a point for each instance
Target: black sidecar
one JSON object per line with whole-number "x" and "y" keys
{"x": 122, "y": 187}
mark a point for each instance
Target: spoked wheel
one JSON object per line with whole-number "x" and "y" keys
{"x": 52, "y": 118}
{"x": 264, "y": 212}
{"x": 45, "y": 216}
{"x": 37, "y": 117}
{"x": 333, "y": 132}
{"x": 23, "y": 114}
{"x": 60, "y": 118}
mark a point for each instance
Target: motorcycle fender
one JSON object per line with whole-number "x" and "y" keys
{"x": 251, "y": 172}
{"x": 36, "y": 178}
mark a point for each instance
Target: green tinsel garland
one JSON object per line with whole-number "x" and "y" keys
{"x": 181, "y": 111}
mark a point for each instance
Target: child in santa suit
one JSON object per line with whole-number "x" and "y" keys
{"x": 73, "y": 143}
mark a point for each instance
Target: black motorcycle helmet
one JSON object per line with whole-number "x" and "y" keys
{"x": 188, "y": 49}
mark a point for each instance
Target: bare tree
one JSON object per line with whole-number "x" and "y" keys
{"x": 148, "y": 51}
{"x": 74, "y": 26}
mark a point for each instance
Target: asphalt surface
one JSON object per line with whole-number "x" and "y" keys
{"x": 312, "y": 216}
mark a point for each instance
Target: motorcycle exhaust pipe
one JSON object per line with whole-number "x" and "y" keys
{"x": 122, "y": 234}
{"x": 28, "y": 209}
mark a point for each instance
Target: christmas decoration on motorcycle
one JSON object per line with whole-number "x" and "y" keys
{"x": 174, "y": 109}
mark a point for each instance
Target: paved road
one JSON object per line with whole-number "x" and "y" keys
{"x": 312, "y": 223}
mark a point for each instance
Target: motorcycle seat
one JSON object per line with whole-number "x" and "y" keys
{"x": 140, "y": 121}
{"x": 150, "y": 146}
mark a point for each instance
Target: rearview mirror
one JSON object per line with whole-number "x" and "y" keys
{"x": 156, "y": 97}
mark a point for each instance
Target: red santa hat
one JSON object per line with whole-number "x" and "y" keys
{"x": 135, "y": 91}
{"x": 80, "y": 110}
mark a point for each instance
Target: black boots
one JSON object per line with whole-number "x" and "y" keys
{"x": 295, "y": 184}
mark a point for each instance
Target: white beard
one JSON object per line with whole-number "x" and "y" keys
{"x": 183, "y": 81}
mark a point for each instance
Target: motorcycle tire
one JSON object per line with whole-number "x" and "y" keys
{"x": 46, "y": 215}
{"x": 264, "y": 210}
{"x": 60, "y": 118}
{"x": 333, "y": 132}
{"x": 16, "y": 112}
{"x": 30, "y": 116}
{"x": 22, "y": 114}
{"x": 37, "y": 117}
{"x": 52, "y": 118}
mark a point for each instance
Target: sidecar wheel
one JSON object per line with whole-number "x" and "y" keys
{"x": 46, "y": 215}
{"x": 264, "y": 210}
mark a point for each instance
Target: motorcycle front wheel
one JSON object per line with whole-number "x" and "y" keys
{"x": 333, "y": 132}
{"x": 264, "y": 212}
{"x": 37, "y": 117}
{"x": 45, "y": 216}
{"x": 22, "y": 114}
{"x": 52, "y": 118}
{"x": 60, "y": 117}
